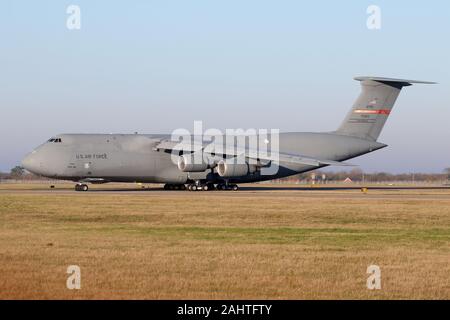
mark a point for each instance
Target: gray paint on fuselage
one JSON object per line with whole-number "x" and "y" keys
{"x": 133, "y": 158}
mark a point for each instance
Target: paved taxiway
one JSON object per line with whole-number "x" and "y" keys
{"x": 253, "y": 190}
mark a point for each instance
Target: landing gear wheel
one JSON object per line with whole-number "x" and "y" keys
{"x": 234, "y": 187}
{"x": 205, "y": 187}
{"x": 81, "y": 187}
{"x": 194, "y": 187}
{"x": 169, "y": 186}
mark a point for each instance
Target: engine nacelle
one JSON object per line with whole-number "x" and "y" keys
{"x": 192, "y": 163}
{"x": 229, "y": 168}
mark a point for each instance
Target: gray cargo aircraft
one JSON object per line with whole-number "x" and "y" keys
{"x": 101, "y": 158}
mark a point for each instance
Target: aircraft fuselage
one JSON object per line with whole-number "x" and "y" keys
{"x": 133, "y": 157}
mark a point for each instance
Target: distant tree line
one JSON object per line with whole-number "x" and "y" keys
{"x": 19, "y": 173}
{"x": 357, "y": 175}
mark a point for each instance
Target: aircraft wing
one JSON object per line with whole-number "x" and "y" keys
{"x": 283, "y": 157}
{"x": 180, "y": 146}
{"x": 235, "y": 151}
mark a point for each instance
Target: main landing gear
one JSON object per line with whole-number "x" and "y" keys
{"x": 223, "y": 186}
{"x": 210, "y": 187}
{"x": 81, "y": 187}
{"x": 201, "y": 187}
{"x": 169, "y": 186}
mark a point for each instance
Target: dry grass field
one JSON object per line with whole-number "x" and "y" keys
{"x": 257, "y": 243}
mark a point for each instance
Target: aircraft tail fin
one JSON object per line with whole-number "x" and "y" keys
{"x": 370, "y": 111}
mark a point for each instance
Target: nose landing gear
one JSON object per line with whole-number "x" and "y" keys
{"x": 81, "y": 187}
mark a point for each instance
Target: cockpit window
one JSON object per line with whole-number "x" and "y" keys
{"x": 55, "y": 140}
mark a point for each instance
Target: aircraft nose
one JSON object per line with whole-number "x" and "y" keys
{"x": 30, "y": 162}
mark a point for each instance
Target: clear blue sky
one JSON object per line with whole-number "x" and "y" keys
{"x": 154, "y": 66}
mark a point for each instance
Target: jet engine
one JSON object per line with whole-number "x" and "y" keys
{"x": 192, "y": 163}
{"x": 229, "y": 168}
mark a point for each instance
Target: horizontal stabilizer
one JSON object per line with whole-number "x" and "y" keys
{"x": 383, "y": 80}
